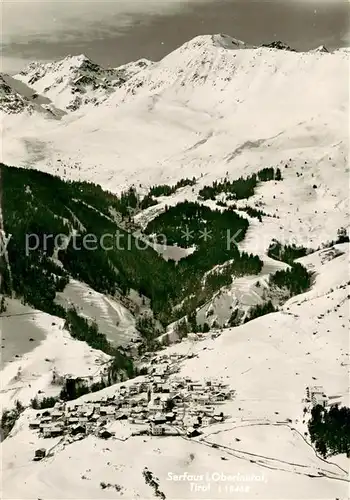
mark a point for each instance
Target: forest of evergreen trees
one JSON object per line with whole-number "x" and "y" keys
{"x": 166, "y": 190}
{"x": 35, "y": 202}
{"x": 259, "y": 310}
{"x": 40, "y": 204}
{"x": 240, "y": 188}
{"x": 286, "y": 253}
{"x": 330, "y": 430}
{"x": 297, "y": 279}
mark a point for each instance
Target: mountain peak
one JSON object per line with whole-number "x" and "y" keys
{"x": 279, "y": 45}
{"x": 11, "y": 102}
{"x": 76, "y": 81}
{"x": 321, "y": 48}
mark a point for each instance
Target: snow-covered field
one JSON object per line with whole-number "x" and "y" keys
{"x": 112, "y": 318}
{"x": 32, "y": 373}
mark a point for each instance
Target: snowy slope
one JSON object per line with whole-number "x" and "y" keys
{"x": 23, "y": 378}
{"x": 76, "y": 80}
{"x": 269, "y": 362}
{"x": 112, "y": 318}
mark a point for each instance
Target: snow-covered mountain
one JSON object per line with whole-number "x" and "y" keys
{"x": 77, "y": 81}
{"x": 223, "y": 109}
{"x": 11, "y": 101}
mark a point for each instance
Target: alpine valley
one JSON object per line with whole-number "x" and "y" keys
{"x": 174, "y": 276}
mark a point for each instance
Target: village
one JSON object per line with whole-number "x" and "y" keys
{"x": 156, "y": 404}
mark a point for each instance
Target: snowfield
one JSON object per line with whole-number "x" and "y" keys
{"x": 112, "y": 318}
{"x": 32, "y": 373}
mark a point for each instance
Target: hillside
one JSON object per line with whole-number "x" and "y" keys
{"x": 269, "y": 363}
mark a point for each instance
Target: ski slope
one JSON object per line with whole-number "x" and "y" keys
{"x": 31, "y": 373}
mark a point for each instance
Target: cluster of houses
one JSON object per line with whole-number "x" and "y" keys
{"x": 156, "y": 404}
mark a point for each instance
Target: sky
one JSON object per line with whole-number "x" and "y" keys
{"x": 48, "y": 29}
{"x": 46, "y": 19}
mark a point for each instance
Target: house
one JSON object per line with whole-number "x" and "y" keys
{"x": 35, "y": 424}
{"x": 218, "y": 417}
{"x": 52, "y": 431}
{"x": 107, "y": 410}
{"x": 159, "y": 418}
{"x": 78, "y": 429}
{"x": 139, "y": 421}
{"x": 220, "y": 397}
{"x": 156, "y": 430}
{"x": 143, "y": 386}
{"x": 163, "y": 387}
{"x": 89, "y": 413}
{"x": 319, "y": 399}
{"x": 133, "y": 390}
{"x": 170, "y": 417}
{"x": 177, "y": 385}
{"x": 198, "y": 387}
{"x": 208, "y": 420}
{"x": 138, "y": 410}
{"x": 142, "y": 401}
{"x": 202, "y": 399}
{"x": 56, "y": 414}
{"x": 121, "y": 416}
{"x": 192, "y": 432}
{"x": 316, "y": 395}
{"x": 39, "y": 454}
{"x": 104, "y": 434}
{"x": 334, "y": 401}
{"x": 315, "y": 389}
{"x": 177, "y": 399}
{"x": 191, "y": 421}
{"x": 45, "y": 420}
{"x": 97, "y": 408}
{"x": 73, "y": 420}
